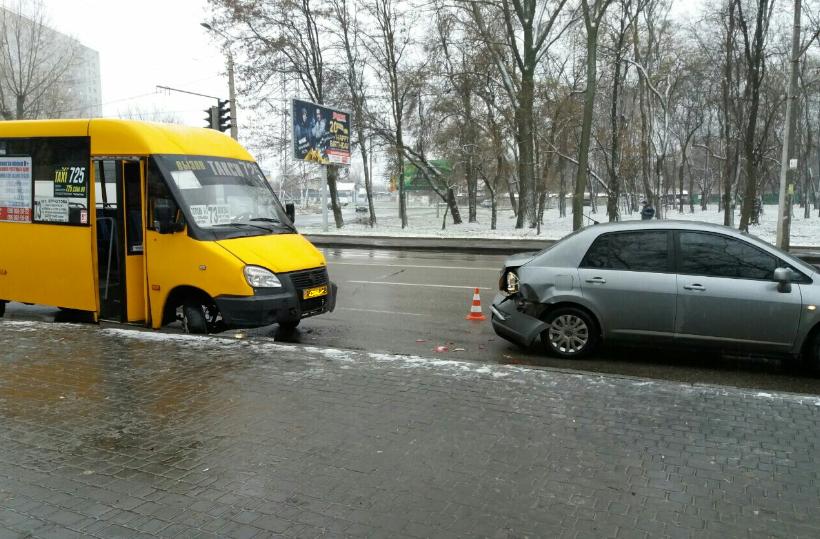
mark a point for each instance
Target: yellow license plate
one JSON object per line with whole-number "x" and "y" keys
{"x": 316, "y": 292}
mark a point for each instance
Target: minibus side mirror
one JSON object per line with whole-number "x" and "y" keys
{"x": 290, "y": 210}
{"x": 165, "y": 219}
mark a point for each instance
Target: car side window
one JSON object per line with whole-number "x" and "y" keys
{"x": 715, "y": 255}
{"x": 630, "y": 251}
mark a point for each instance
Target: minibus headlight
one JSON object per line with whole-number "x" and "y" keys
{"x": 261, "y": 278}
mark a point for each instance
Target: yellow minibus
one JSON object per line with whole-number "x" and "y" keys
{"x": 150, "y": 223}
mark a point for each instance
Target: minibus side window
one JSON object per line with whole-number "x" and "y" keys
{"x": 159, "y": 197}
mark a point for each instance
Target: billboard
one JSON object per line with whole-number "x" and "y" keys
{"x": 415, "y": 180}
{"x": 320, "y": 135}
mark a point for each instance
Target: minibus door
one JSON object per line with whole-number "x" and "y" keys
{"x": 120, "y": 261}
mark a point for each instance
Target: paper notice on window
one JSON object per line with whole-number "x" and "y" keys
{"x": 52, "y": 210}
{"x": 15, "y": 189}
{"x": 186, "y": 179}
{"x": 211, "y": 214}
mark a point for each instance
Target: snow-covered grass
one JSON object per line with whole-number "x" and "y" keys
{"x": 425, "y": 221}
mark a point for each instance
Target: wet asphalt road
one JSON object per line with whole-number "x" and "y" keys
{"x": 413, "y": 302}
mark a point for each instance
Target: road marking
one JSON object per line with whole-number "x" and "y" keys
{"x": 379, "y": 312}
{"x": 421, "y": 284}
{"x": 414, "y": 266}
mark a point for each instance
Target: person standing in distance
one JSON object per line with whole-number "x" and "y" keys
{"x": 647, "y": 211}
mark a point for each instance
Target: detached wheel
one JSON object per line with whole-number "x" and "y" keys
{"x": 193, "y": 319}
{"x": 571, "y": 333}
{"x": 289, "y": 326}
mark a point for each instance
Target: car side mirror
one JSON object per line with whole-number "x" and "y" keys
{"x": 290, "y": 211}
{"x": 784, "y": 277}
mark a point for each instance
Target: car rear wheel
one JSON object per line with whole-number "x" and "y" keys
{"x": 570, "y": 333}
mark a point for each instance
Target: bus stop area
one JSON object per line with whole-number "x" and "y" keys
{"x": 112, "y": 432}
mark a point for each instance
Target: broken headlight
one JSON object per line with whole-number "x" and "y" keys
{"x": 509, "y": 283}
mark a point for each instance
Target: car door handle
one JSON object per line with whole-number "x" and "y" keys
{"x": 597, "y": 280}
{"x": 698, "y": 287}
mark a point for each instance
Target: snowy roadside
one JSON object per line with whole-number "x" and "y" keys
{"x": 425, "y": 222}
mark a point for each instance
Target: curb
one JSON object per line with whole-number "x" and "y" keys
{"x": 473, "y": 245}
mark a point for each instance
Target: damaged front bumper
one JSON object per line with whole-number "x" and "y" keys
{"x": 512, "y": 324}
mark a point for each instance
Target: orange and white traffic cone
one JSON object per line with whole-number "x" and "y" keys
{"x": 475, "y": 308}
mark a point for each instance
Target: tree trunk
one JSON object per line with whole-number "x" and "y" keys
{"x": 332, "y": 177}
{"x": 586, "y": 128}
{"x": 526, "y": 155}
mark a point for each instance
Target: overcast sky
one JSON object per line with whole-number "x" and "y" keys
{"x": 144, "y": 44}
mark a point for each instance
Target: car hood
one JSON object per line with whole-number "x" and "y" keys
{"x": 279, "y": 253}
{"x": 519, "y": 259}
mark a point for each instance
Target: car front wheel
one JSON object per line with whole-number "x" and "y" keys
{"x": 570, "y": 333}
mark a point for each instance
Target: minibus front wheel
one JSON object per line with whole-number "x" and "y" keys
{"x": 2, "y": 307}
{"x": 193, "y": 318}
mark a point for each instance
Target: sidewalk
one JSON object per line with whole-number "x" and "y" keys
{"x": 119, "y": 432}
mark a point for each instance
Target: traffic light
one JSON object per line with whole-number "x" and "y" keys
{"x": 212, "y": 118}
{"x": 223, "y": 115}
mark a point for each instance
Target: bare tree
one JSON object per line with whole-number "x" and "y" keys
{"x": 349, "y": 33}
{"x": 284, "y": 37}
{"x": 593, "y": 14}
{"x": 387, "y": 48}
{"x": 527, "y": 28}
{"x": 35, "y": 62}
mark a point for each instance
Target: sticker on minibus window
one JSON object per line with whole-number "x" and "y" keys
{"x": 51, "y": 210}
{"x": 211, "y": 214}
{"x": 15, "y": 189}
{"x": 185, "y": 179}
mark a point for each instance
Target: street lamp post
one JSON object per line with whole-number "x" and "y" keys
{"x": 231, "y": 87}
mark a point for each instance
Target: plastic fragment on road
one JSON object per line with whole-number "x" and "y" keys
{"x": 441, "y": 349}
{"x": 458, "y": 349}
{"x": 421, "y": 340}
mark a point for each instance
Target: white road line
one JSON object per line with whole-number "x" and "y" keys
{"x": 425, "y": 285}
{"x": 379, "y": 312}
{"x": 497, "y": 270}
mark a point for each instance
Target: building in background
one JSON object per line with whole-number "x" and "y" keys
{"x": 45, "y": 73}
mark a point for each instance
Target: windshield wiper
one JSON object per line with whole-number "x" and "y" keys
{"x": 274, "y": 221}
{"x": 242, "y": 225}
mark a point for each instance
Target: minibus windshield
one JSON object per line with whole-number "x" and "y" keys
{"x": 225, "y": 193}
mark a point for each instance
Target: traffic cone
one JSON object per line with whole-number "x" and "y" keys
{"x": 475, "y": 308}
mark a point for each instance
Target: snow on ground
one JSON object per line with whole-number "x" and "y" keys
{"x": 425, "y": 221}
{"x": 316, "y": 358}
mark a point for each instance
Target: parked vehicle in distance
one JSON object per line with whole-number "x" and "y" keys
{"x": 150, "y": 223}
{"x": 487, "y": 203}
{"x": 660, "y": 282}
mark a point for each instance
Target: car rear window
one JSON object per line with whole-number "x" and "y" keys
{"x": 646, "y": 250}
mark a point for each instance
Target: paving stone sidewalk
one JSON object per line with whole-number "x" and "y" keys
{"x": 126, "y": 433}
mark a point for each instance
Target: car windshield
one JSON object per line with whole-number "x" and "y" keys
{"x": 219, "y": 192}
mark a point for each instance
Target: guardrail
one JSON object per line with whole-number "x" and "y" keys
{"x": 474, "y": 245}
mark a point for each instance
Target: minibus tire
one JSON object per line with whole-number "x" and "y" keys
{"x": 193, "y": 319}
{"x": 2, "y": 307}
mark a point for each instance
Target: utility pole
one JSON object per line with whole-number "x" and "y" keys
{"x": 788, "y": 163}
{"x": 231, "y": 88}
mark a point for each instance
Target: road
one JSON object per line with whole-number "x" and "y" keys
{"x": 411, "y": 302}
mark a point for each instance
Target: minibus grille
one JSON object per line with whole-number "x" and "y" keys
{"x": 309, "y": 278}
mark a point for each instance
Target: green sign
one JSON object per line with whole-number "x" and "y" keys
{"x": 415, "y": 180}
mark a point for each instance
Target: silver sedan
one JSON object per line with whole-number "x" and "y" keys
{"x": 660, "y": 282}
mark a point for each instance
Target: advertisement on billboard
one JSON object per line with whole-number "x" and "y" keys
{"x": 320, "y": 134}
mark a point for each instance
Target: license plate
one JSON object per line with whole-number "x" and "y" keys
{"x": 315, "y": 292}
